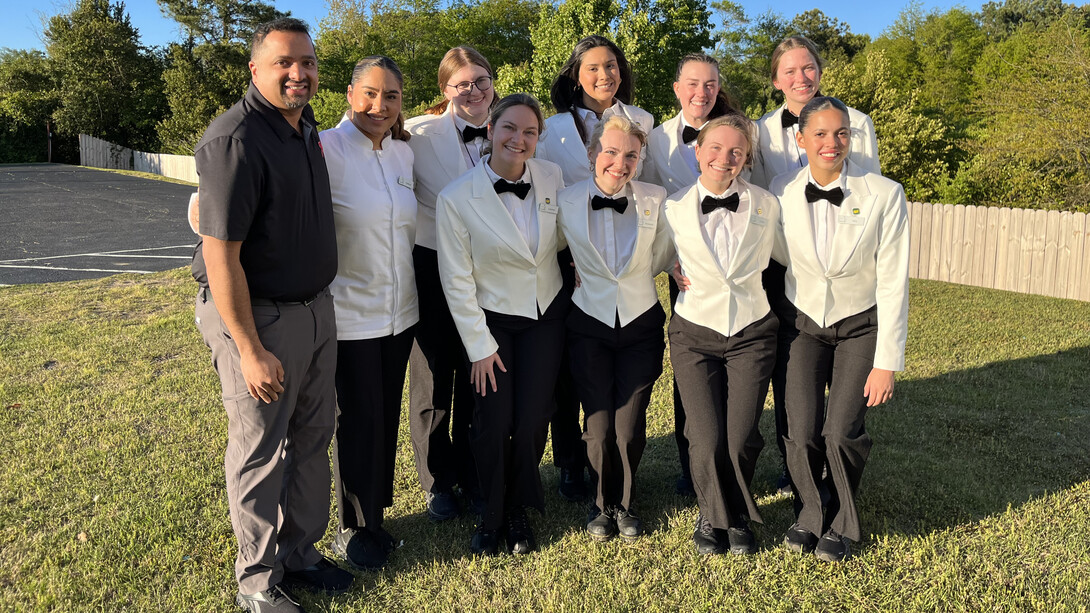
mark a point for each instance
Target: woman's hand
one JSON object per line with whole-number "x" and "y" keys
{"x": 480, "y": 373}
{"x": 879, "y": 387}
{"x": 681, "y": 280}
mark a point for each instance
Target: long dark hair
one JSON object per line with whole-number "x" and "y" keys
{"x": 724, "y": 104}
{"x": 566, "y": 93}
{"x": 397, "y": 132}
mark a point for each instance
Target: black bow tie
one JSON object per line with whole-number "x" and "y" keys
{"x": 788, "y": 119}
{"x": 617, "y": 204}
{"x": 814, "y": 193}
{"x": 519, "y": 189}
{"x": 710, "y": 203}
{"x": 469, "y": 133}
{"x": 689, "y": 134}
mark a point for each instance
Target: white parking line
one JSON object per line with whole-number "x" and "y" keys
{"x": 142, "y": 272}
{"x": 132, "y": 253}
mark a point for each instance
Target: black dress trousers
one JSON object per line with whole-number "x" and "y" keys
{"x": 723, "y": 381}
{"x": 440, "y": 393}
{"x": 679, "y": 408}
{"x": 833, "y": 434}
{"x": 370, "y": 378}
{"x": 773, "y": 280}
{"x": 569, "y": 452}
{"x": 615, "y": 369}
{"x": 510, "y": 425}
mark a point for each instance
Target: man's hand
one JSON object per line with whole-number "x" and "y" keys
{"x": 264, "y": 375}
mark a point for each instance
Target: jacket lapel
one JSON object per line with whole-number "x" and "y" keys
{"x": 678, "y": 167}
{"x": 447, "y": 140}
{"x": 490, "y": 209}
{"x": 852, "y": 218}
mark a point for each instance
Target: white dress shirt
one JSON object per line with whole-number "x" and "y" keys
{"x": 523, "y": 211}
{"x": 613, "y": 234}
{"x": 471, "y": 150}
{"x": 722, "y": 229}
{"x": 688, "y": 150}
{"x": 823, "y": 216}
{"x": 374, "y": 211}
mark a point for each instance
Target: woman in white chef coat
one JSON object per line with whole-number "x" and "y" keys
{"x": 595, "y": 82}
{"x": 447, "y": 141}
{"x": 722, "y": 333}
{"x": 496, "y": 231}
{"x": 374, "y": 293}
{"x": 619, "y": 241}
{"x": 671, "y": 163}
{"x": 845, "y": 243}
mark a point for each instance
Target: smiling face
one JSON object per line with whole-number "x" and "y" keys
{"x": 473, "y": 106}
{"x": 375, "y": 102}
{"x": 696, "y": 89}
{"x": 615, "y": 160}
{"x": 599, "y": 77}
{"x": 721, "y": 156}
{"x": 285, "y": 70}
{"x": 827, "y": 141}
{"x": 514, "y": 137}
{"x": 798, "y": 77}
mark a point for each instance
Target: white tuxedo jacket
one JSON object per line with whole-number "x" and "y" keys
{"x": 485, "y": 263}
{"x": 561, "y": 144}
{"x": 665, "y": 164}
{"x": 775, "y": 154}
{"x": 723, "y": 300}
{"x": 868, "y": 262}
{"x": 437, "y": 149}
{"x": 627, "y": 295}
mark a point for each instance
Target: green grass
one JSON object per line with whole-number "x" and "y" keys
{"x": 976, "y": 497}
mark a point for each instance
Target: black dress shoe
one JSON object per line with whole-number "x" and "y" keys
{"x": 832, "y": 547}
{"x": 572, "y": 486}
{"x": 741, "y": 539}
{"x": 276, "y": 599}
{"x": 800, "y": 540}
{"x": 520, "y": 538}
{"x": 684, "y": 486}
{"x": 442, "y": 505}
{"x": 360, "y": 549}
{"x": 325, "y": 576}
{"x": 384, "y": 539}
{"x": 484, "y": 542}
{"x": 628, "y": 524}
{"x": 600, "y": 525}
{"x": 706, "y": 539}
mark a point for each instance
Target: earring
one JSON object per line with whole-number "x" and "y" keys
{"x": 592, "y": 168}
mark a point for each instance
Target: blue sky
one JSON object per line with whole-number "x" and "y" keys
{"x": 21, "y": 25}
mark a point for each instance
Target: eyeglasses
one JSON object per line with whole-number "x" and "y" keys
{"x": 465, "y": 87}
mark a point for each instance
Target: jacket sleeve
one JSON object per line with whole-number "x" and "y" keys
{"x": 892, "y": 283}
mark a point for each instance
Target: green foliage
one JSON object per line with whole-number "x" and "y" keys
{"x": 28, "y": 97}
{"x": 208, "y": 72}
{"x": 109, "y": 84}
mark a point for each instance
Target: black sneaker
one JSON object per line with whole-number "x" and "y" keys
{"x": 600, "y": 524}
{"x": 800, "y": 540}
{"x": 520, "y": 537}
{"x": 628, "y": 524}
{"x": 741, "y": 539}
{"x": 273, "y": 600}
{"x": 360, "y": 549}
{"x": 484, "y": 542}
{"x": 832, "y": 547}
{"x": 325, "y": 576}
{"x": 705, "y": 538}
{"x": 572, "y": 486}
{"x": 384, "y": 539}
{"x": 442, "y": 505}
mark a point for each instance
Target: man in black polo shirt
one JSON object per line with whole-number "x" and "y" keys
{"x": 266, "y": 257}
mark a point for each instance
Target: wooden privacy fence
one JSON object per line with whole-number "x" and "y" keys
{"x": 97, "y": 153}
{"x": 1031, "y": 251}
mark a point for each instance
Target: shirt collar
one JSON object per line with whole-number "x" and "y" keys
{"x": 277, "y": 122}
{"x": 840, "y": 181}
{"x": 493, "y": 177}
{"x": 595, "y": 191}
{"x": 735, "y": 187}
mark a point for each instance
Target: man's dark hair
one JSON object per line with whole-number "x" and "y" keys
{"x": 284, "y": 24}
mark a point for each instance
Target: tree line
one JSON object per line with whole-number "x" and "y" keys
{"x": 969, "y": 107}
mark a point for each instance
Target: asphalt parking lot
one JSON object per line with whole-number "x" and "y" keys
{"x": 61, "y": 223}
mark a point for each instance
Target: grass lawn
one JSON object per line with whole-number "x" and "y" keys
{"x": 976, "y": 497}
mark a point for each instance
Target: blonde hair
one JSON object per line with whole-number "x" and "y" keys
{"x": 738, "y": 122}
{"x": 795, "y": 42}
{"x": 453, "y": 61}
{"x": 615, "y": 122}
